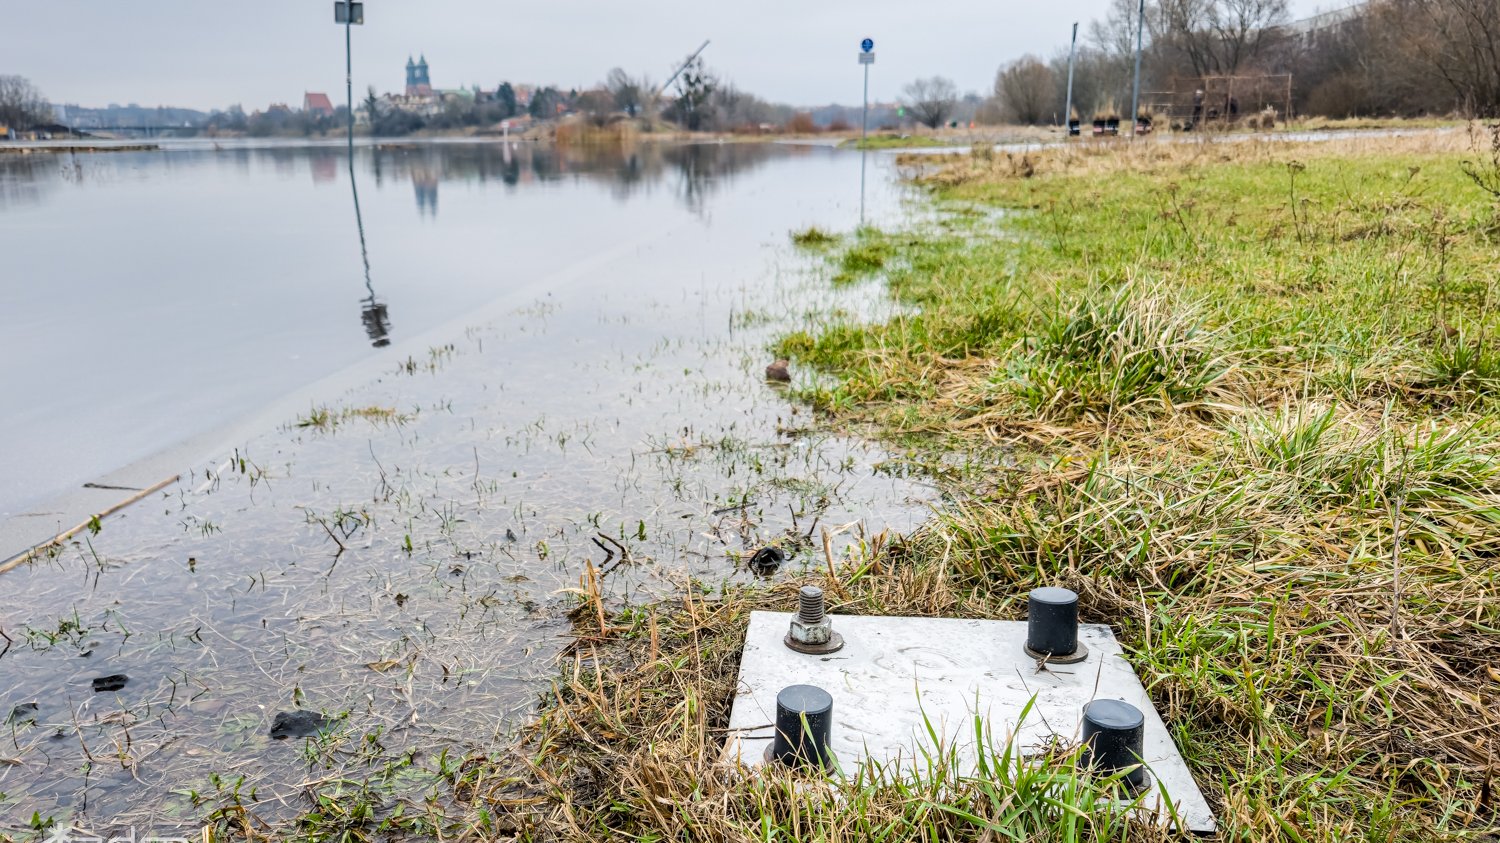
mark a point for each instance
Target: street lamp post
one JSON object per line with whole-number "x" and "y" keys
{"x": 349, "y": 13}
{"x": 372, "y": 312}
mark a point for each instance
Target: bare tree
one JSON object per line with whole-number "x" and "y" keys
{"x": 1455, "y": 41}
{"x": 628, "y": 91}
{"x": 21, "y": 104}
{"x": 1213, "y": 37}
{"x": 596, "y": 106}
{"x": 931, "y": 100}
{"x": 1244, "y": 28}
{"x": 734, "y": 108}
{"x": 1378, "y": 57}
{"x": 694, "y": 86}
{"x": 1026, "y": 90}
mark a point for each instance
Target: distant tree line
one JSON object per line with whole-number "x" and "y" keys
{"x": 1383, "y": 57}
{"x": 699, "y": 100}
{"x": 22, "y": 106}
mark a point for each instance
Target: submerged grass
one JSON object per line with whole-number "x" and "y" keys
{"x": 813, "y": 237}
{"x": 326, "y": 418}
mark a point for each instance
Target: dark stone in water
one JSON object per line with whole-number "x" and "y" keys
{"x": 106, "y": 684}
{"x": 767, "y": 559}
{"x": 24, "y": 714}
{"x": 779, "y": 371}
{"x": 297, "y": 724}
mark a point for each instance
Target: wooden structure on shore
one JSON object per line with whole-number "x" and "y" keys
{"x": 1194, "y": 101}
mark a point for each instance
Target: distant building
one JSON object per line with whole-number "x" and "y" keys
{"x": 318, "y": 104}
{"x": 418, "y": 83}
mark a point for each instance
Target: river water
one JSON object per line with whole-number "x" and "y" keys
{"x": 553, "y": 359}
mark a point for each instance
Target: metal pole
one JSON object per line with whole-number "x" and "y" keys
{"x": 676, "y": 73}
{"x": 864, "y": 120}
{"x": 1068, "y": 111}
{"x": 349, "y": 80}
{"x": 359, "y": 220}
{"x": 863, "y": 155}
{"x": 864, "y": 129}
{"x": 1135, "y": 94}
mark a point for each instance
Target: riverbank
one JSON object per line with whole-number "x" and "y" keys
{"x": 1243, "y": 398}
{"x": 62, "y": 146}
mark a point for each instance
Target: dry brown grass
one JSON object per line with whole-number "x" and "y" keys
{"x": 1162, "y": 154}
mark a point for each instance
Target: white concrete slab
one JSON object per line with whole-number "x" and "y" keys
{"x": 894, "y": 671}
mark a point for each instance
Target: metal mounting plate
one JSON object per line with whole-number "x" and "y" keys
{"x": 894, "y": 672}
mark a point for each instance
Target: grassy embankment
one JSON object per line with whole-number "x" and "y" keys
{"x": 1243, "y": 398}
{"x": 1323, "y": 124}
{"x": 898, "y": 141}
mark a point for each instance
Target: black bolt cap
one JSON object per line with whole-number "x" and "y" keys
{"x": 804, "y": 726}
{"x": 1114, "y": 736}
{"x": 1052, "y": 621}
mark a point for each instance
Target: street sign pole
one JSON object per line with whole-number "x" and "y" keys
{"x": 1068, "y": 111}
{"x": 866, "y": 58}
{"x": 1135, "y": 92}
{"x": 864, "y": 119}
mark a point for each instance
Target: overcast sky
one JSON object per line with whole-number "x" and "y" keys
{"x": 207, "y": 54}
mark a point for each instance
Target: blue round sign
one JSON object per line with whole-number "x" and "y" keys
{"x": 867, "y": 45}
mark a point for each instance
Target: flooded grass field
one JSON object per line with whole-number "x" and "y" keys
{"x": 556, "y": 388}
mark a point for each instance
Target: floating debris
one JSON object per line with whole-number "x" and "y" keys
{"x": 297, "y": 724}
{"x": 767, "y": 559}
{"x": 108, "y": 684}
{"x": 24, "y": 714}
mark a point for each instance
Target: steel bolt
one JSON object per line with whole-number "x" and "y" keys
{"x": 810, "y": 608}
{"x": 1114, "y": 737}
{"x": 804, "y": 726}
{"x": 812, "y": 629}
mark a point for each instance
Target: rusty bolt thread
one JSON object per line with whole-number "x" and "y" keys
{"x": 810, "y": 604}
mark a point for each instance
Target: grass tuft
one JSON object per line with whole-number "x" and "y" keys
{"x": 813, "y": 237}
{"x": 1114, "y": 351}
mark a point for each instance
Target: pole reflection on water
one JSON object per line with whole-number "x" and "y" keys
{"x": 372, "y": 311}
{"x": 862, "y": 155}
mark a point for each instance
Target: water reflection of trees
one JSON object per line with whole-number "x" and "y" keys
{"x": 692, "y": 172}
{"x": 24, "y": 177}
